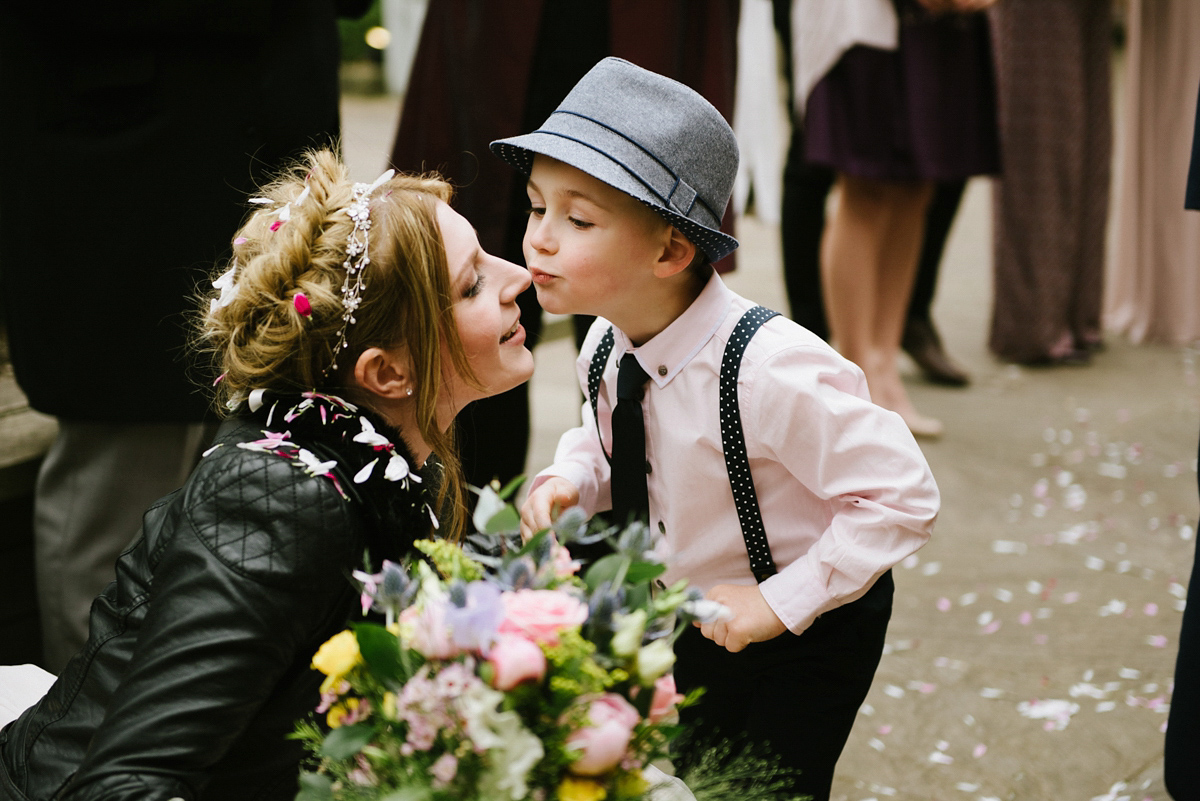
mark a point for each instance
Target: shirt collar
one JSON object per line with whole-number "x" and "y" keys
{"x": 669, "y": 351}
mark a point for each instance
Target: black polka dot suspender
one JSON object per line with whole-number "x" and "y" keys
{"x": 733, "y": 438}
{"x": 733, "y": 442}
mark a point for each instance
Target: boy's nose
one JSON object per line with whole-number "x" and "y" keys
{"x": 537, "y": 236}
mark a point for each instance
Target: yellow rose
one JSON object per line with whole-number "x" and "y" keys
{"x": 339, "y": 712}
{"x": 338, "y": 655}
{"x": 577, "y": 789}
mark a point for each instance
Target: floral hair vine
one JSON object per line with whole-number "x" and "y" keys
{"x": 357, "y": 257}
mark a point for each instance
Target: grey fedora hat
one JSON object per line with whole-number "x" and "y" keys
{"x": 649, "y": 136}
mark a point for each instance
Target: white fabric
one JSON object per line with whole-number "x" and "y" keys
{"x": 665, "y": 787}
{"x": 21, "y": 686}
{"x": 759, "y": 114}
{"x": 822, "y": 30}
{"x": 844, "y": 490}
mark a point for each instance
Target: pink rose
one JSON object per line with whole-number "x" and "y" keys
{"x": 515, "y": 659}
{"x": 603, "y": 740}
{"x": 665, "y": 698}
{"x": 564, "y": 565}
{"x": 540, "y": 614}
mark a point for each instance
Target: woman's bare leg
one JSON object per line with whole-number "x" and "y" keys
{"x": 869, "y": 262}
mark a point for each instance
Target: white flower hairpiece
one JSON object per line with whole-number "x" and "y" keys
{"x": 357, "y": 257}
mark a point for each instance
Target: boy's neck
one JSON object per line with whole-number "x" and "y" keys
{"x": 651, "y": 315}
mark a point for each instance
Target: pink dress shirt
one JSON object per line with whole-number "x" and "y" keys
{"x": 844, "y": 490}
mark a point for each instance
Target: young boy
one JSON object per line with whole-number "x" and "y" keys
{"x": 628, "y": 180}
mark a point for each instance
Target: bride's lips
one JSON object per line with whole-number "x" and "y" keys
{"x": 515, "y": 335}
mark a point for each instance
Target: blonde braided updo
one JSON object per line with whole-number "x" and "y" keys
{"x": 259, "y": 336}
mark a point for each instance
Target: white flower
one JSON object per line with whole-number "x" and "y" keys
{"x": 369, "y": 436}
{"x": 654, "y": 660}
{"x": 629, "y": 630}
{"x": 228, "y": 290}
{"x": 707, "y": 611}
{"x": 397, "y": 468}
{"x": 512, "y": 750}
{"x": 314, "y": 466}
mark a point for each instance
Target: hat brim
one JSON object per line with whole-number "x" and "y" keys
{"x": 518, "y": 152}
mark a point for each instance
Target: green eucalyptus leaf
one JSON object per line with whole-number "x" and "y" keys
{"x": 347, "y": 741}
{"x": 381, "y": 652}
{"x": 603, "y": 569}
{"x": 507, "y": 519}
{"x": 315, "y": 787}
{"x": 644, "y": 571}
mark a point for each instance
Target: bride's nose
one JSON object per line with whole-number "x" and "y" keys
{"x": 515, "y": 281}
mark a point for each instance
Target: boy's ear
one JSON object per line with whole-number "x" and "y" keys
{"x": 677, "y": 255}
{"x": 385, "y": 373}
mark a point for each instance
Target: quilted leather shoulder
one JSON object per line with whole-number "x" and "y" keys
{"x": 269, "y": 520}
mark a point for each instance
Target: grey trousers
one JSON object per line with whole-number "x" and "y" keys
{"x": 94, "y": 485}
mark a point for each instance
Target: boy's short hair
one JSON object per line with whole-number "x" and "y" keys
{"x": 648, "y": 136}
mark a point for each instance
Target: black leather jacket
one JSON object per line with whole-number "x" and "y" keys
{"x": 198, "y": 660}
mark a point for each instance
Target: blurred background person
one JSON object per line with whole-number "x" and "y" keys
{"x": 806, "y": 190}
{"x": 906, "y": 101}
{"x": 1050, "y": 205}
{"x": 107, "y": 106}
{"x": 1154, "y": 277}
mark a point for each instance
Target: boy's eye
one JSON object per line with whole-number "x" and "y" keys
{"x": 580, "y": 224}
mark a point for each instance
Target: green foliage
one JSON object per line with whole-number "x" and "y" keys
{"x": 354, "y": 31}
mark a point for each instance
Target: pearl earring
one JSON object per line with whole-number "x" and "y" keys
{"x": 410, "y": 391}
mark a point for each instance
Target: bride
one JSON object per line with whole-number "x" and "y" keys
{"x": 354, "y": 323}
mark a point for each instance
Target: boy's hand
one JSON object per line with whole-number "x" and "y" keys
{"x": 543, "y": 505}
{"x": 753, "y": 621}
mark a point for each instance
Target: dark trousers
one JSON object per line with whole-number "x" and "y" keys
{"x": 1181, "y": 768}
{"x": 797, "y": 694}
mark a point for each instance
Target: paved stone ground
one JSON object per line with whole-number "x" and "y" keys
{"x": 1032, "y": 647}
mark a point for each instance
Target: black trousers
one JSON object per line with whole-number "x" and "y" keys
{"x": 1181, "y": 768}
{"x": 796, "y": 694}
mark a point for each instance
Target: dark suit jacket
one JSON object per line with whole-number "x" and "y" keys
{"x": 133, "y": 133}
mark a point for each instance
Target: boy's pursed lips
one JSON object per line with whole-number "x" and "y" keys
{"x": 540, "y": 276}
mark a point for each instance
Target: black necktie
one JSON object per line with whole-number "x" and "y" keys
{"x": 629, "y": 495}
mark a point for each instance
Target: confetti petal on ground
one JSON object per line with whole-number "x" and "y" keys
{"x": 1056, "y": 712}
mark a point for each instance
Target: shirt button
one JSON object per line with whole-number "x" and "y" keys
{"x": 662, "y": 370}
{"x": 649, "y": 469}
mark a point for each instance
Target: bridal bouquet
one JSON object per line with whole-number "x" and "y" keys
{"x": 502, "y": 674}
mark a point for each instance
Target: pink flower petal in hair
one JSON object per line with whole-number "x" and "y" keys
{"x": 300, "y": 301}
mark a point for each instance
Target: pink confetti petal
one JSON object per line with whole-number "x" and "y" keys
{"x": 979, "y": 751}
{"x": 241, "y": 240}
{"x": 275, "y": 225}
{"x": 943, "y": 604}
{"x": 1157, "y": 641}
{"x": 992, "y": 628}
{"x": 1025, "y": 619}
{"x": 300, "y": 301}
{"x": 1150, "y": 609}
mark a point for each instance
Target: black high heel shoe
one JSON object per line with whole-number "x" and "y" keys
{"x": 922, "y": 343}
